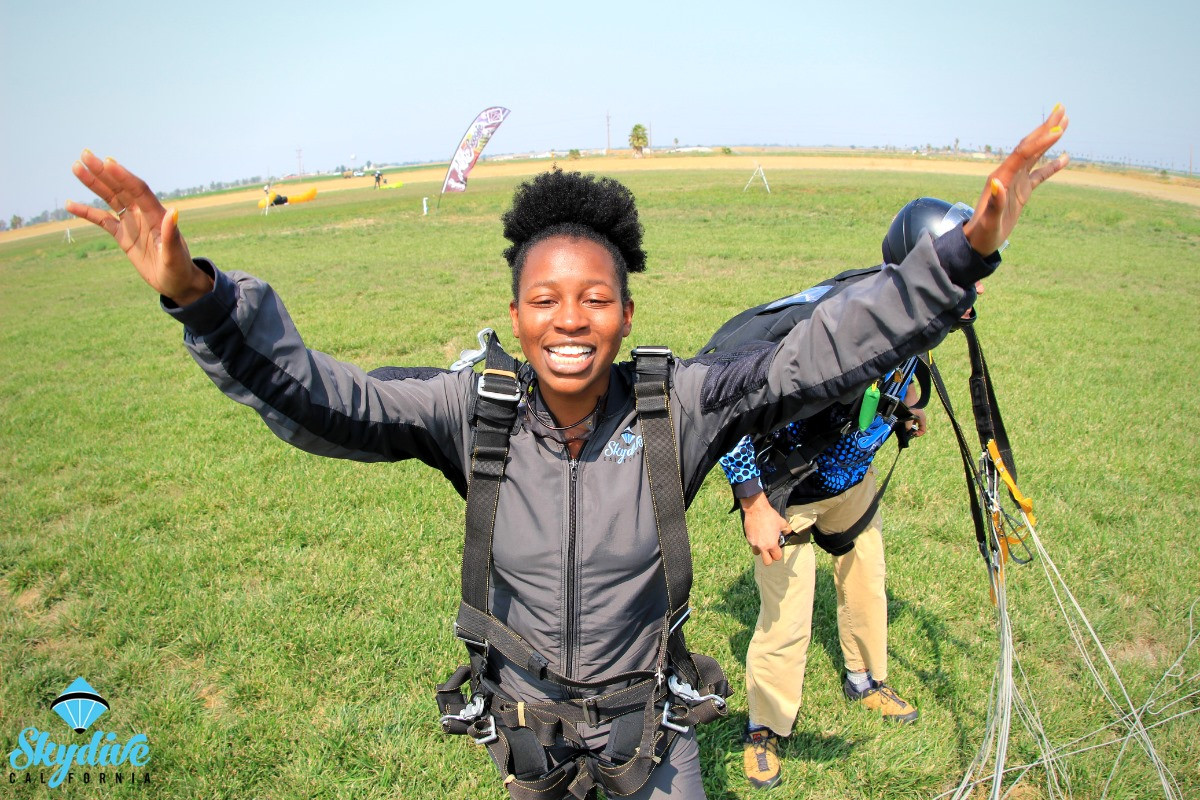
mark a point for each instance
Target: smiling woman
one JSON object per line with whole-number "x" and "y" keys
{"x": 582, "y": 675}
{"x": 570, "y": 320}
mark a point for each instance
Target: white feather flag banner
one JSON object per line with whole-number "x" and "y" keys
{"x": 473, "y": 141}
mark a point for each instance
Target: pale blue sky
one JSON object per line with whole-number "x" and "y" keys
{"x": 185, "y": 94}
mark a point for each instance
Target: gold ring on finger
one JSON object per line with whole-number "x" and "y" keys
{"x": 119, "y": 213}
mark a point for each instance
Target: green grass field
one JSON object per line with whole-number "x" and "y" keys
{"x": 275, "y": 623}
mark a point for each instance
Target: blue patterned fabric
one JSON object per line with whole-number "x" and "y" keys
{"x": 838, "y": 467}
{"x": 739, "y": 464}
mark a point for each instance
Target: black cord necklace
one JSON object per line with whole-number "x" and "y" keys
{"x": 591, "y": 415}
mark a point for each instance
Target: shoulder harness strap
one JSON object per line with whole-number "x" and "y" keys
{"x": 493, "y": 418}
{"x": 652, "y": 394}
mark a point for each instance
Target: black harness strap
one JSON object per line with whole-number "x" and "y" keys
{"x": 801, "y": 462}
{"x": 840, "y": 543}
{"x": 988, "y": 426}
{"x": 651, "y": 393}
{"x": 494, "y": 419}
{"x": 520, "y": 736}
{"x": 988, "y": 423}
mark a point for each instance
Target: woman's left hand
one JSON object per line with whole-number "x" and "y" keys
{"x": 1009, "y": 187}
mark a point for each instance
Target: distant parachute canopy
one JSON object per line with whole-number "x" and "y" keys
{"x": 80, "y": 705}
{"x": 472, "y": 144}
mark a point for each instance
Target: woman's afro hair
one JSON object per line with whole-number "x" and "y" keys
{"x": 572, "y": 204}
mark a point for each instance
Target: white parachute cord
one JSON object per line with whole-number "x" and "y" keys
{"x": 1176, "y": 669}
{"x": 969, "y": 781}
{"x": 1058, "y": 781}
{"x": 1023, "y": 768}
{"x": 1148, "y": 706}
{"x": 1005, "y": 694}
{"x": 1136, "y": 728}
{"x": 999, "y": 714}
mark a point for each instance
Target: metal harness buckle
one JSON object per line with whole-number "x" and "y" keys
{"x": 488, "y": 735}
{"x": 666, "y": 720}
{"x": 498, "y": 393}
{"x": 458, "y": 634}
{"x": 470, "y": 712}
{"x": 685, "y": 692}
{"x": 650, "y": 350}
{"x": 469, "y": 358}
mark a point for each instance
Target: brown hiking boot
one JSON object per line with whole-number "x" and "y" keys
{"x": 760, "y": 758}
{"x": 882, "y": 698}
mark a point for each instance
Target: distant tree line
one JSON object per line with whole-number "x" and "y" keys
{"x": 213, "y": 186}
{"x": 17, "y": 221}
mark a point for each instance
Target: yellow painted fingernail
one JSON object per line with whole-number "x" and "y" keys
{"x": 175, "y": 216}
{"x": 87, "y": 152}
{"x": 1057, "y": 108}
{"x": 995, "y": 187}
{"x": 1056, "y": 129}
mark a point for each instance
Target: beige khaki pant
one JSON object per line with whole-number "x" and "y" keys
{"x": 779, "y": 647}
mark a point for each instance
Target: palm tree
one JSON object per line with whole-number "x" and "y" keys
{"x": 638, "y": 139}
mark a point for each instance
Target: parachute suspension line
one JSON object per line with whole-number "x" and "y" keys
{"x": 1061, "y": 753}
{"x": 1002, "y": 531}
{"x": 1130, "y": 725}
{"x": 1130, "y": 717}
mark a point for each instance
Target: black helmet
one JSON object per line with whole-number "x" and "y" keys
{"x": 923, "y": 214}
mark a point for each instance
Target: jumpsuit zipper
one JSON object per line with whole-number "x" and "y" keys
{"x": 571, "y": 576}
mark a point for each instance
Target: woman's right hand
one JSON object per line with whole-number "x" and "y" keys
{"x": 144, "y": 229}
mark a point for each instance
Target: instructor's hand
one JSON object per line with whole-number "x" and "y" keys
{"x": 147, "y": 232}
{"x": 1009, "y": 187}
{"x": 763, "y": 525}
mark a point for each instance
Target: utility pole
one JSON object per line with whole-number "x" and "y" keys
{"x": 607, "y": 132}
{"x": 299, "y": 161}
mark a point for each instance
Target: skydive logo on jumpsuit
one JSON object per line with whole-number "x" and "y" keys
{"x": 625, "y": 448}
{"x": 79, "y": 706}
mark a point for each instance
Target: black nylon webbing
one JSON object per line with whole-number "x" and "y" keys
{"x": 651, "y": 393}
{"x": 841, "y": 542}
{"x": 493, "y": 422}
{"x": 481, "y": 626}
{"x": 988, "y": 423}
{"x": 974, "y": 482}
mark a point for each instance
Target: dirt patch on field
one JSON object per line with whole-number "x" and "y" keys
{"x": 1147, "y": 185}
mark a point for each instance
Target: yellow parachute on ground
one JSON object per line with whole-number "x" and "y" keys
{"x": 276, "y": 199}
